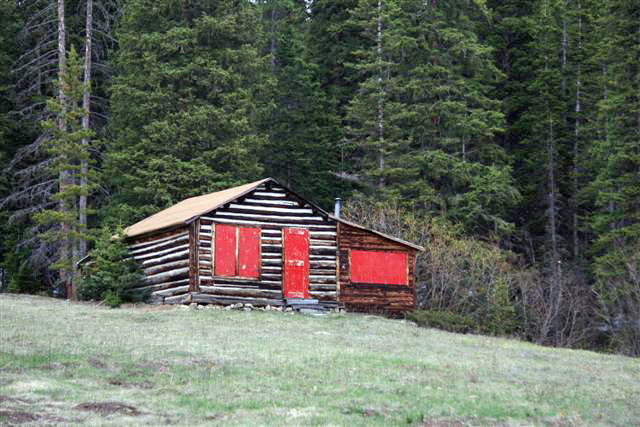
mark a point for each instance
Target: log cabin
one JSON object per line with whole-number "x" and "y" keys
{"x": 263, "y": 244}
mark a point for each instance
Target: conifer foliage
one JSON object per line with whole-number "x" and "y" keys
{"x": 514, "y": 122}
{"x": 67, "y": 152}
{"x": 183, "y": 112}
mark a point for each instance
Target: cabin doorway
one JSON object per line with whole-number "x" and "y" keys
{"x": 296, "y": 263}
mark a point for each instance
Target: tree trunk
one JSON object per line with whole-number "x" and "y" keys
{"x": 86, "y": 105}
{"x": 65, "y": 249}
{"x": 381, "y": 159}
{"x": 576, "y": 145}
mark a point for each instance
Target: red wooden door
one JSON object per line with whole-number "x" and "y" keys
{"x": 296, "y": 263}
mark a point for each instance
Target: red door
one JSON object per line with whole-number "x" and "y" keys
{"x": 296, "y": 263}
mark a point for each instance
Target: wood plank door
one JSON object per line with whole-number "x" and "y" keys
{"x": 296, "y": 263}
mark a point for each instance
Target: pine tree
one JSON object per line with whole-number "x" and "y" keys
{"x": 301, "y": 151}
{"x": 423, "y": 120}
{"x": 183, "y": 116}
{"x": 616, "y": 221}
{"x": 68, "y": 151}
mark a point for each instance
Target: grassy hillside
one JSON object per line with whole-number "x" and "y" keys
{"x": 63, "y": 362}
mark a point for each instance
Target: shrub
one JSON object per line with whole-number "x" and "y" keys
{"x": 110, "y": 274}
{"x": 442, "y": 319}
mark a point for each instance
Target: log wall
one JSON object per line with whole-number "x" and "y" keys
{"x": 367, "y": 297}
{"x": 271, "y": 208}
{"x": 164, "y": 259}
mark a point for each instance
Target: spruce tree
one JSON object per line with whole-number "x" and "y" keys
{"x": 423, "y": 120}
{"x": 183, "y": 113}
{"x": 616, "y": 188}
{"x": 67, "y": 149}
{"x": 301, "y": 151}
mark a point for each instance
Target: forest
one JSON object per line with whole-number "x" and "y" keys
{"x": 501, "y": 135}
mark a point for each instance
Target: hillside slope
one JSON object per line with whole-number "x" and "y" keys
{"x": 64, "y": 362}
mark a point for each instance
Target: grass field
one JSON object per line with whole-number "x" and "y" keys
{"x": 64, "y": 363}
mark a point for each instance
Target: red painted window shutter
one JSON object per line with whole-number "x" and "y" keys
{"x": 378, "y": 267}
{"x": 225, "y": 256}
{"x": 249, "y": 252}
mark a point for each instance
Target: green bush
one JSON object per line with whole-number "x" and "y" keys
{"x": 441, "y": 319}
{"x": 110, "y": 275}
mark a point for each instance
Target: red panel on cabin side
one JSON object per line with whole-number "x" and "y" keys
{"x": 378, "y": 267}
{"x": 225, "y": 256}
{"x": 296, "y": 263}
{"x": 249, "y": 252}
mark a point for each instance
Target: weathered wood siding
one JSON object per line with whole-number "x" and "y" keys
{"x": 271, "y": 208}
{"x": 164, "y": 259}
{"x": 393, "y": 299}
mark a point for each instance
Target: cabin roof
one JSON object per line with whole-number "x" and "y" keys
{"x": 184, "y": 212}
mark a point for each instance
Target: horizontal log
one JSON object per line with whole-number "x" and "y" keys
{"x": 322, "y": 265}
{"x": 159, "y": 246}
{"x": 322, "y": 251}
{"x": 179, "y": 299}
{"x": 262, "y": 201}
{"x": 165, "y": 258}
{"x": 162, "y": 277}
{"x": 316, "y": 242}
{"x": 280, "y": 210}
{"x": 321, "y": 234}
{"x": 225, "y": 291}
{"x": 162, "y": 252}
{"x": 322, "y": 288}
{"x": 331, "y": 257}
{"x": 152, "y": 241}
{"x": 270, "y": 241}
{"x": 160, "y": 286}
{"x": 211, "y": 299}
{"x": 165, "y": 267}
{"x": 270, "y": 194}
{"x": 323, "y": 296}
{"x": 172, "y": 291}
{"x": 331, "y": 281}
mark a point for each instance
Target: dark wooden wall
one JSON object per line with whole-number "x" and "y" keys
{"x": 391, "y": 299}
{"x": 271, "y": 208}
{"x": 164, "y": 258}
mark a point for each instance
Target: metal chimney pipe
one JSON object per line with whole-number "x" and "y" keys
{"x": 336, "y": 210}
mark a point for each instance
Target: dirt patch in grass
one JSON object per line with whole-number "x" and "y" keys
{"x": 8, "y": 399}
{"x": 442, "y": 423}
{"x": 146, "y": 385}
{"x": 109, "y": 408}
{"x": 17, "y": 417}
{"x": 97, "y": 363}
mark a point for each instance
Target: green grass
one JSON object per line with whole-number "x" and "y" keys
{"x": 190, "y": 367}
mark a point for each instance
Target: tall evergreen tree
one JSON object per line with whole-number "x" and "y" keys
{"x": 423, "y": 120}
{"x": 69, "y": 148}
{"x": 616, "y": 220}
{"x": 183, "y": 116}
{"x": 301, "y": 150}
